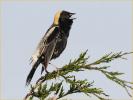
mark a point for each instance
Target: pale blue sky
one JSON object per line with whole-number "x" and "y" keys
{"x": 100, "y": 27}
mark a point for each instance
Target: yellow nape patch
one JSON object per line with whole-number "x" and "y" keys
{"x": 56, "y": 18}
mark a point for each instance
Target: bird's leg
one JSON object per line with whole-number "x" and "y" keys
{"x": 42, "y": 78}
{"x": 43, "y": 67}
{"x": 46, "y": 70}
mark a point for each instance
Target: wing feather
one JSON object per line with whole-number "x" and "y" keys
{"x": 44, "y": 51}
{"x": 44, "y": 44}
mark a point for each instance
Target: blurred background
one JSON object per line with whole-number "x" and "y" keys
{"x": 101, "y": 27}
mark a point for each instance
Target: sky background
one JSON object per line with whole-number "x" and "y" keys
{"x": 100, "y": 27}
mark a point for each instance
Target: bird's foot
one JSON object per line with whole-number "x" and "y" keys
{"x": 40, "y": 80}
{"x": 46, "y": 71}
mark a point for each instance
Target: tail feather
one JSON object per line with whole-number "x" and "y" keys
{"x": 30, "y": 75}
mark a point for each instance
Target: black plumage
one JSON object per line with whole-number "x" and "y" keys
{"x": 53, "y": 42}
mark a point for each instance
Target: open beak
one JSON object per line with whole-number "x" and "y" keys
{"x": 71, "y": 15}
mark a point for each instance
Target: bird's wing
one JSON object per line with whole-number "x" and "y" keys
{"x": 49, "y": 52}
{"x": 51, "y": 43}
{"x": 50, "y": 40}
{"x": 44, "y": 43}
{"x": 45, "y": 48}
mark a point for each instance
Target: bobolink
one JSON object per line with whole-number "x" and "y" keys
{"x": 53, "y": 42}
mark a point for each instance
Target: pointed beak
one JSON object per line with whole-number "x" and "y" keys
{"x": 72, "y": 18}
{"x": 71, "y": 15}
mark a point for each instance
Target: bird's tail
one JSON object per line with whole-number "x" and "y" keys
{"x": 34, "y": 67}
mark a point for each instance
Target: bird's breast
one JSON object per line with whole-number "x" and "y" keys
{"x": 60, "y": 46}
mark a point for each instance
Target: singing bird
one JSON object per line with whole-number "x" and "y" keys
{"x": 52, "y": 43}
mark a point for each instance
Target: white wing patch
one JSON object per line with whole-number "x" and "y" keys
{"x": 34, "y": 57}
{"x": 50, "y": 32}
{"x": 41, "y": 45}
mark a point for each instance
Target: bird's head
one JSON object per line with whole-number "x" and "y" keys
{"x": 62, "y": 17}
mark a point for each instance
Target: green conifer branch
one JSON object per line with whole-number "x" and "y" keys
{"x": 41, "y": 90}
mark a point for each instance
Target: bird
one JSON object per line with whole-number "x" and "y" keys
{"x": 52, "y": 43}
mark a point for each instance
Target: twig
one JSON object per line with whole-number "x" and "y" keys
{"x": 41, "y": 91}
